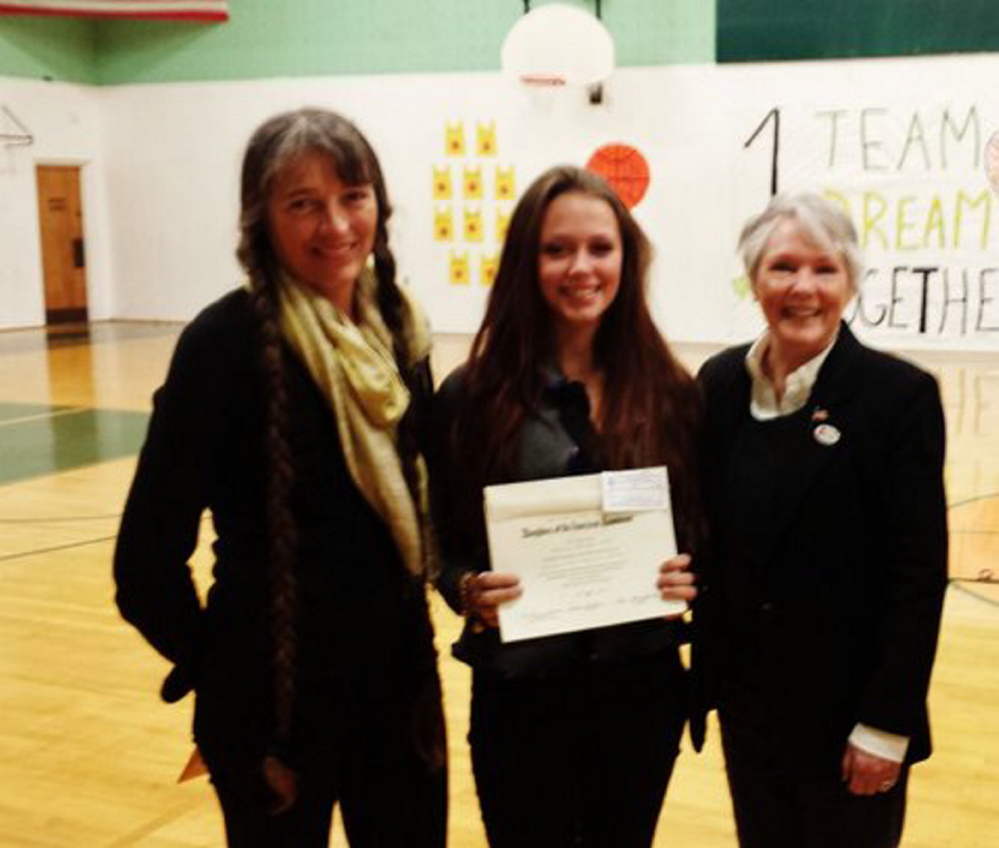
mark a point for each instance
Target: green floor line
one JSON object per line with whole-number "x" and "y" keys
{"x": 66, "y": 439}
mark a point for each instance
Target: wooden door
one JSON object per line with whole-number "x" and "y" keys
{"x": 63, "y": 257}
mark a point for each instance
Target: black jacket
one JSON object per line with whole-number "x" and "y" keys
{"x": 361, "y": 616}
{"x": 826, "y": 581}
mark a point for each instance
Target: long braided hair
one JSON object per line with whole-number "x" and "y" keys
{"x": 276, "y": 145}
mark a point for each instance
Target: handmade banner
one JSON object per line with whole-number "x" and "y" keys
{"x": 176, "y": 10}
{"x": 911, "y": 171}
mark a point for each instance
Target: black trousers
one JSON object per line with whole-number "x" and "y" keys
{"x": 580, "y": 757}
{"x": 777, "y": 809}
{"x": 367, "y": 752}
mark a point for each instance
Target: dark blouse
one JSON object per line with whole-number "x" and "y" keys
{"x": 554, "y": 442}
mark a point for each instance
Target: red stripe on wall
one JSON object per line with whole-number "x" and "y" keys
{"x": 190, "y": 15}
{"x": 208, "y": 17}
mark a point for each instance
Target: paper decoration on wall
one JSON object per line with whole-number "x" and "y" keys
{"x": 485, "y": 139}
{"x": 472, "y": 183}
{"x": 176, "y": 10}
{"x": 625, "y": 169}
{"x": 443, "y": 225}
{"x": 473, "y": 224}
{"x": 489, "y": 189}
{"x": 992, "y": 161}
{"x": 490, "y": 265}
{"x": 442, "y": 183}
{"x": 502, "y": 224}
{"x": 506, "y": 184}
{"x": 459, "y": 268}
{"x": 454, "y": 139}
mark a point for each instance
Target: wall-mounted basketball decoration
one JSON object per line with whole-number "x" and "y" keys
{"x": 624, "y": 168}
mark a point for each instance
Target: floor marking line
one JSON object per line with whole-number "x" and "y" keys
{"x": 43, "y": 416}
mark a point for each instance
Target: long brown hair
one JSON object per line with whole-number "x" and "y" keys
{"x": 651, "y": 409}
{"x": 279, "y": 142}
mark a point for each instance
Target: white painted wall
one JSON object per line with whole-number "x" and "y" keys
{"x": 162, "y": 173}
{"x": 167, "y": 265}
{"x": 65, "y": 121}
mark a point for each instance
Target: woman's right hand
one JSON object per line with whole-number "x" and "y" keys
{"x": 484, "y": 592}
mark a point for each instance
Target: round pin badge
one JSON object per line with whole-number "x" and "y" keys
{"x": 826, "y": 434}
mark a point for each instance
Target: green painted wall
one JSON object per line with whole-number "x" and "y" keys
{"x": 287, "y": 38}
{"x": 58, "y": 48}
{"x": 780, "y": 30}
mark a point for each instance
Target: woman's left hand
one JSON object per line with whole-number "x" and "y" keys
{"x": 868, "y": 774}
{"x": 676, "y": 580}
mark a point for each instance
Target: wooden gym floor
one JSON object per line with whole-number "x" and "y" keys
{"x": 89, "y": 757}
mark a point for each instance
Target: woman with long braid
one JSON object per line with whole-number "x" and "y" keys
{"x": 293, "y": 411}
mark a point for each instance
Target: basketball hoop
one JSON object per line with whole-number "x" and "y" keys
{"x": 556, "y": 45}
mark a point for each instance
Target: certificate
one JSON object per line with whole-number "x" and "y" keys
{"x": 587, "y": 550}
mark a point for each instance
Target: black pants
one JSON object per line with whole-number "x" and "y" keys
{"x": 776, "y": 809}
{"x": 356, "y": 750}
{"x": 578, "y": 758}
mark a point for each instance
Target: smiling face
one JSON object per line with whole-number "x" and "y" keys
{"x": 802, "y": 289}
{"x": 322, "y": 229}
{"x": 579, "y": 261}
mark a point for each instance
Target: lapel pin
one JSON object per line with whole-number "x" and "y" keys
{"x": 826, "y": 435}
{"x": 820, "y": 414}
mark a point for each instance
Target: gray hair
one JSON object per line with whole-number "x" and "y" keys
{"x": 818, "y": 219}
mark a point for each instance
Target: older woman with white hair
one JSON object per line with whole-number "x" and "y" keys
{"x": 827, "y": 564}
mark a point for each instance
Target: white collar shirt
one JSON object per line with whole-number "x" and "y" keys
{"x": 764, "y": 403}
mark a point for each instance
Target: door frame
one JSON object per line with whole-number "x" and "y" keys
{"x": 85, "y": 166}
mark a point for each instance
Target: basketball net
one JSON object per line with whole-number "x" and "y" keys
{"x": 541, "y": 80}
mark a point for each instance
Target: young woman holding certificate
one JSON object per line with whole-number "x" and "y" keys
{"x": 573, "y": 736}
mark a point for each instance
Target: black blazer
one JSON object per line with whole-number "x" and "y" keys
{"x": 824, "y": 612}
